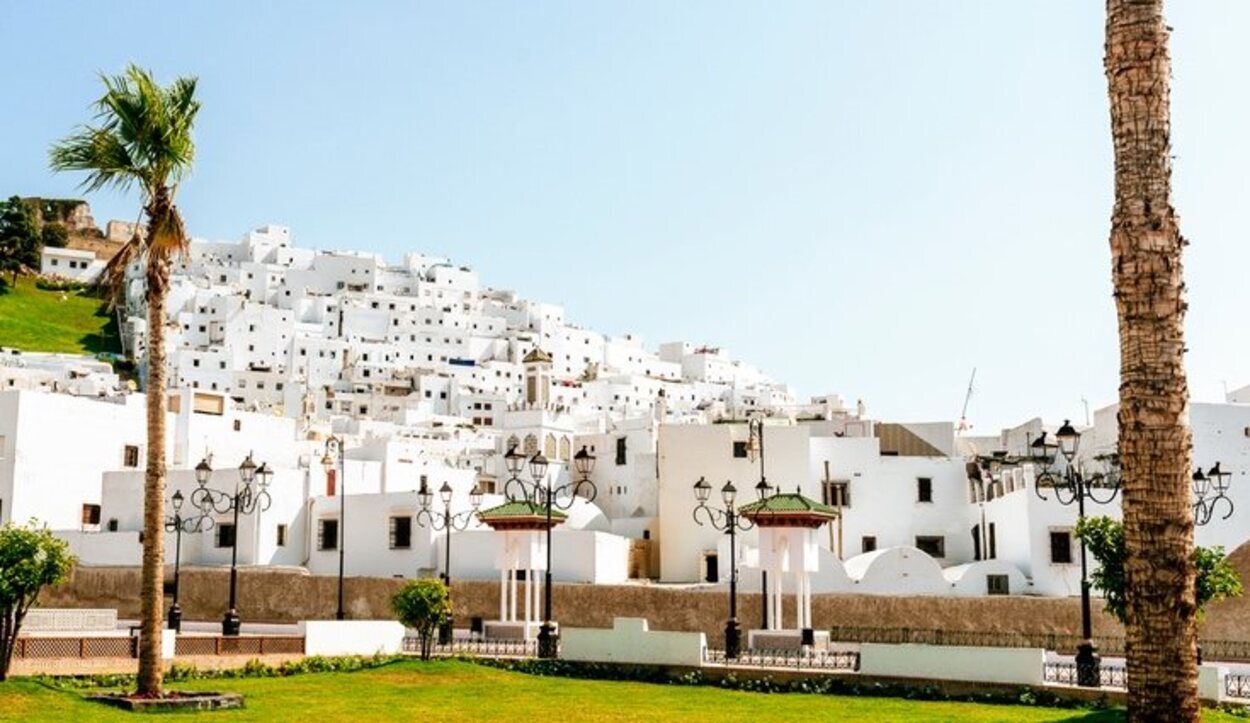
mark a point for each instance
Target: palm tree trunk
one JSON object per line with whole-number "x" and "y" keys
{"x": 1155, "y": 442}
{"x": 151, "y": 671}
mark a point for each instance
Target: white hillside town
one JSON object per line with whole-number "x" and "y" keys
{"x": 426, "y": 380}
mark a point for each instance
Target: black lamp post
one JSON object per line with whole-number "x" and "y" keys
{"x": 178, "y": 524}
{"x": 755, "y": 449}
{"x": 1210, "y": 489}
{"x": 446, "y": 521}
{"x": 335, "y": 450}
{"x": 542, "y": 492}
{"x": 250, "y": 494}
{"x": 1069, "y": 487}
{"x": 726, "y": 520}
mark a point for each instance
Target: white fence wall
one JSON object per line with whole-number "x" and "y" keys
{"x": 352, "y": 637}
{"x": 631, "y": 641}
{"x": 954, "y": 662}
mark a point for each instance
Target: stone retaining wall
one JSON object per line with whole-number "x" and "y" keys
{"x": 286, "y": 595}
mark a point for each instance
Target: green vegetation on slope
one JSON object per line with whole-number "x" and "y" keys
{"x": 453, "y": 691}
{"x": 70, "y": 322}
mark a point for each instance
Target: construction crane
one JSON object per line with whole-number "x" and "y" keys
{"x": 963, "y": 415}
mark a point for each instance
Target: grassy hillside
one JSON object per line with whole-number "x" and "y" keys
{"x": 69, "y": 322}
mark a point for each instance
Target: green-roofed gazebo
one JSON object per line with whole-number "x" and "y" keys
{"x": 522, "y": 515}
{"x": 788, "y": 509}
{"x": 522, "y": 526}
{"x": 787, "y": 523}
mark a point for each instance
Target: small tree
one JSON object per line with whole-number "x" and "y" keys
{"x": 1104, "y": 538}
{"x": 53, "y": 235}
{"x": 30, "y": 558}
{"x": 19, "y": 237}
{"x": 423, "y": 605}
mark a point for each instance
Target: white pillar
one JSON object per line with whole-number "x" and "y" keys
{"x": 503, "y": 594}
{"x": 538, "y": 598}
{"x": 512, "y": 599}
{"x": 807, "y": 599}
{"x": 529, "y": 599}
{"x": 781, "y": 599}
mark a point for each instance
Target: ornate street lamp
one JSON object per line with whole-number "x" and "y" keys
{"x": 1210, "y": 489}
{"x": 178, "y": 524}
{"x": 336, "y": 452}
{"x": 541, "y": 492}
{"x": 755, "y": 449}
{"x": 1072, "y": 485}
{"x": 726, "y": 519}
{"x": 251, "y": 493}
{"x": 446, "y": 521}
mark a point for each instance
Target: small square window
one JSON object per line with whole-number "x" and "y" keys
{"x": 225, "y": 535}
{"x": 932, "y": 545}
{"x": 328, "y": 535}
{"x": 1061, "y": 547}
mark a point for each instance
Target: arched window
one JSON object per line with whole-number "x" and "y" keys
{"x": 513, "y": 443}
{"x": 566, "y": 449}
{"x": 531, "y": 444}
{"x": 550, "y": 447}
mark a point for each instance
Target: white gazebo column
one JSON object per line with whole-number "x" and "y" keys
{"x": 512, "y": 597}
{"x": 781, "y": 616}
{"x": 807, "y": 599}
{"x": 503, "y": 594}
{"x": 529, "y": 600}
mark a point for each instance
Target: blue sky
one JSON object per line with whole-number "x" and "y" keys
{"x": 867, "y": 198}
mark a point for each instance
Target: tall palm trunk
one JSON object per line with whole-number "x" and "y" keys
{"x": 1155, "y": 442}
{"x": 151, "y": 670}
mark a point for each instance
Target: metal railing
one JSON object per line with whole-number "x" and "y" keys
{"x": 238, "y": 645}
{"x": 1221, "y": 650}
{"x": 76, "y": 647}
{"x": 790, "y": 658}
{"x": 478, "y": 648}
{"x": 1237, "y": 686}
{"x": 1059, "y": 642}
{"x": 1109, "y": 676}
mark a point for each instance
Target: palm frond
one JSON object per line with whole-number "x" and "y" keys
{"x": 167, "y": 235}
{"x": 100, "y": 153}
{"x": 112, "y": 282}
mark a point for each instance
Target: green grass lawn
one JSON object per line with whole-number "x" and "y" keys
{"x": 460, "y": 691}
{"x": 70, "y": 322}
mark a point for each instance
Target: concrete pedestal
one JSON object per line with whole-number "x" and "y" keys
{"x": 785, "y": 639}
{"x": 512, "y": 630}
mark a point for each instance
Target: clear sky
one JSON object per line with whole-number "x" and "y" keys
{"x": 868, "y": 198}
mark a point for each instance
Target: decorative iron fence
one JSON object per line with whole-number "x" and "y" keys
{"x": 1221, "y": 650}
{"x": 77, "y": 647}
{"x": 1230, "y": 651}
{"x": 1237, "y": 686}
{"x": 1061, "y": 642}
{"x": 238, "y": 645}
{"x": 790, "y": 658}
{"x": 1062, "y": 673}
{"x": 480, "y": 648}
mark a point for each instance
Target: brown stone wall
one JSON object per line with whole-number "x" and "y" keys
{"x": 273, "y": 595}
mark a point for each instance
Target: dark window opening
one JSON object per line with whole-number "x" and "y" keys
{"x": 931, "y": 545}
{"x": 328, "y": 535}
{"x": 924, "y": 489}
{"x": 1061, "y": 547}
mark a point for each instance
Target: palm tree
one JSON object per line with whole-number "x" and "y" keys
{"x": 142, "y": 137}
{"x": 1155, "y": 442}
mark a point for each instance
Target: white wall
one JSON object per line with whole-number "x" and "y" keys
{"x": 352, "y": 637}
{"x": 1022, "y": 666}
{"x": 631, "y": 641}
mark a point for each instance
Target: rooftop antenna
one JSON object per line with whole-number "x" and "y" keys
{"x": 963, "y": 414}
